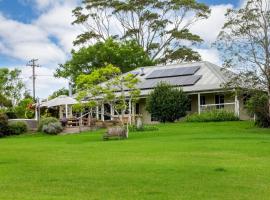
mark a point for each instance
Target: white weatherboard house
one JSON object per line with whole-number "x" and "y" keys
{"x": 202, "y": 81}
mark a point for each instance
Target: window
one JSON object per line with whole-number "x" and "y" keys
{"x": 137, "y": 109}
{"x": 202, "y": 100}
{"x": 219, "y": 100}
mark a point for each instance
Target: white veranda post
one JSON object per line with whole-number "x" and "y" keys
{"x": 199, "y": 103}
{"x": 129, "y": 111}
{"x": 112, "y": 112}
{"x": 66, "y": 106}
{"x": 97, "y": 113}
{"x": 102, "y": 112}
{"x": 236, "y": 107}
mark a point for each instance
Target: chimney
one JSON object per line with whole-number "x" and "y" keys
{"x": 142, "y": 72}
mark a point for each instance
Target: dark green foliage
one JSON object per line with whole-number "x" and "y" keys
{"x": 167, "y": 104}
{"x": 3, "y": 125}
{"x": 46, "y": 121}
{"x": 52, "y": 128}
{"x": 258, "y": 105}
{"x": 212, "y": 116}
{"x": 11, "y": 114}
{"x": 125, "y": 55}
{"x": 17, "y": 128}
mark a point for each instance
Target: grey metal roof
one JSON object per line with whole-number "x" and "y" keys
{"x": 207, "y": 76}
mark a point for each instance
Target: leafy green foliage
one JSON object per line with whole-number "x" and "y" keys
{"x": 24, "y": 109}
{"x": 258, "y": 105}
{"x": 11, "y": 86}
{"x": 167, "y": 104}
{"x": 159, "y": 26}
{"x": 46, "y": 121}
{"x": 126, "y": 55}
{"x": 3, "y": 124}
{"x": 4, "y": 102}
{"x": 17, "y": 128}
{"x": 212, "y": 116}
{"x": 52, "y": 128}
{"x": 110, "y": 86}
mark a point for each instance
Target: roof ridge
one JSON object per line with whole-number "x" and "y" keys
{"x": 170, "y": 65}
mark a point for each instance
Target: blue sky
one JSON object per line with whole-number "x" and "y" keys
{"x": 42, "y": 29}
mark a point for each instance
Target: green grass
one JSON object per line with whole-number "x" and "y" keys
{"x": 226, "y": 160}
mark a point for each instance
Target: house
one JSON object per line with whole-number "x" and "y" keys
{"x": 202, "y": 81}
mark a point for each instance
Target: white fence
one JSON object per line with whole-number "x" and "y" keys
{"x": 231, "y": 107}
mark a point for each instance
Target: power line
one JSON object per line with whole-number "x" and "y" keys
{"x": 33, "y": 63}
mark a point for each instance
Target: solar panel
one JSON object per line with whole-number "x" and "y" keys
{"x": 182, "y": 71}
{"x": 174, "y": 81}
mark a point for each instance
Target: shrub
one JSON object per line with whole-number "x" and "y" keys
{"x": 212, "y": 116}
{"x": 258, "y": 105}
{"x": 11, "y": 114}
{"x": 52, "y": 128}
{"x": 3, "y": 125}
{"x": 17, "y": 128}
{"x": 166, "y": 103}
{"x": 46, "y": 121}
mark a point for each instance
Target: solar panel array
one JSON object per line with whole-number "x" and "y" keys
{"x": 174, "y": 81}
{"x": 182, "y": 71}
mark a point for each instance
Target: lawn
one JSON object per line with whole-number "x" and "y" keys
{"x": 229, "y": 160}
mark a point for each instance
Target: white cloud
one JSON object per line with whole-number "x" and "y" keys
{"x": 57, "y": 23}
{"x": 209, "y": 29}
{"x": 23, "y": 41}
{"x": 211, "y": 55}
{"x": 45, "y": 83}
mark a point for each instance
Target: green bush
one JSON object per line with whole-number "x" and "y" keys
{"x": 258, "y": 105}
{"x": 166, "y": 103}
{"x": 212, "y": 116}
{"x": 17, "y": 128}
{"x": 11, "y": 114}
{"x": 4, "y": 130}
{"x": 46, "y": 121}
{"x": 52, "y": 128}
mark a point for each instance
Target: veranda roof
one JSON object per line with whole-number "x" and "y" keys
{"x": 59, "y": 101}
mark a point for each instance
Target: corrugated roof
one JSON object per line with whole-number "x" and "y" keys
{"x": 212, "y": 77}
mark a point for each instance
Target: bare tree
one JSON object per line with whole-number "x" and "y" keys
{"x": 245, "y": 45}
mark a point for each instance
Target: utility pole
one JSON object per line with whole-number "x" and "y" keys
{"x": 33, "y": 63}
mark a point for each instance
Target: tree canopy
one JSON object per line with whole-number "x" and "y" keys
{"x": 126, "y": 55}
{"x": 245, "y": 45}
{"x": 161, "y": 27}
{"x": 107, "y": 85}
{"x": 11, "y": 85}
